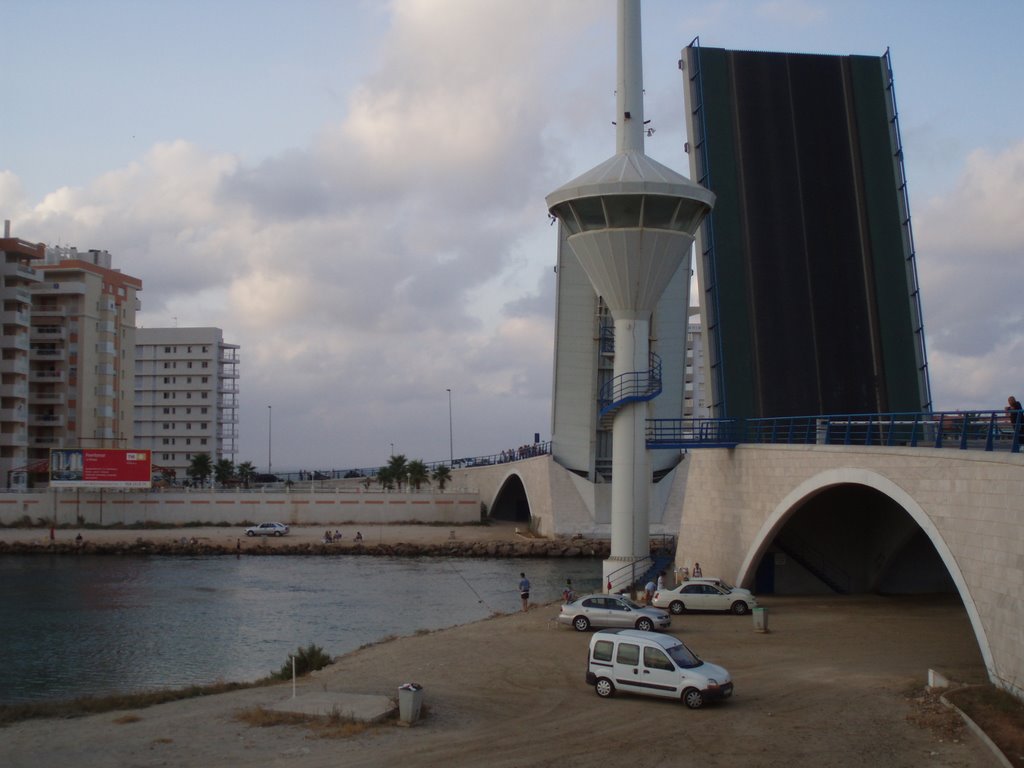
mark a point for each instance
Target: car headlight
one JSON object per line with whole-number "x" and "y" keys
{"x": 712, "y": 683}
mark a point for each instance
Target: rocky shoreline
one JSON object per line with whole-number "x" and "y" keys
{"x": 534, "y": 548}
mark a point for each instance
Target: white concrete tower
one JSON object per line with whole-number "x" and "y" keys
{"x": 630, "y": 222}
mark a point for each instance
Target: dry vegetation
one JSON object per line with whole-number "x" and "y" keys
{"x": 332, "y": 726}
{"x": 998, "y": 714}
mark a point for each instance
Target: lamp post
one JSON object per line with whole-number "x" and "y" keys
{"x": 451, "y": 441}
{"x": 270, "y": 442}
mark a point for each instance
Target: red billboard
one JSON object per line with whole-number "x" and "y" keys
{"x": 100, "y": 468}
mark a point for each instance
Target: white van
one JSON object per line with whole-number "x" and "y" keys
{"x": 653, "y": 664}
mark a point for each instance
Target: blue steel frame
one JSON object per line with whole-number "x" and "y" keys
{"x": 966, "y": 430}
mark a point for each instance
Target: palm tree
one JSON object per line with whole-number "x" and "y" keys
{"x": 246, "y": 472}
{"x": 384, "y": 477}
{"x": 417, "y": 473}
{"x": 398, "y": 468}
{"x": 200, "y": 468}
{"x": 224, "y": 471}
{"x": 442, "y": 475}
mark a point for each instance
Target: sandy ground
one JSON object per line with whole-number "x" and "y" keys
{"x": 826, "y": 687}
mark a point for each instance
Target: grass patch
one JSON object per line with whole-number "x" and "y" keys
{"x": 97, "y": 705}
{"x": 332, "y": 726}
{"x": 998, "y": 714}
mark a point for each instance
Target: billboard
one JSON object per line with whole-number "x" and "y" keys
{"x": 100, "y": 468}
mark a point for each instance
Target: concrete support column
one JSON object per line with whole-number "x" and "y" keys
{"x": 630, "y": 462}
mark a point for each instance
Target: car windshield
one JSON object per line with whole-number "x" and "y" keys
{"x": 684, "y": 657}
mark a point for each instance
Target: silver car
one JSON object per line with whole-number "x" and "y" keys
{"x": 267, "y": 529}
{"x": 611, "y": 611}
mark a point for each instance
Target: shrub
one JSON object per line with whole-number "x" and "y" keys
{"x": 308, "y": 659}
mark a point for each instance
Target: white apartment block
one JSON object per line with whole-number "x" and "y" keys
{"x": 696, "y": 404}
{"x": 186, "y": 395}
{"x": 17, "y": 258}
{"x": 81, "y": 358}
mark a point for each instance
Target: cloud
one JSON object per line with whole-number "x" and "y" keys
{"x": 969, "y": 245}
{"x": 368, "y": 272}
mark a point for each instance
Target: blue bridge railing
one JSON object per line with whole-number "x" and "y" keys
{"x": 966, "y": 430}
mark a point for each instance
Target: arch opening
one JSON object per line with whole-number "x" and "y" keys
{"x": 511, "y": 502}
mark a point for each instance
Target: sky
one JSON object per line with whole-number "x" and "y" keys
{"x": 354, "y": 189}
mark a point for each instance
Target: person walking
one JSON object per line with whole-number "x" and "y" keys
{"x": 524, "y": 591}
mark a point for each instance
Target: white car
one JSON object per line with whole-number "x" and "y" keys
{"x": 267, "y": 529}
{"x": 705, "y": 595}
{"x": 652, "y": 664}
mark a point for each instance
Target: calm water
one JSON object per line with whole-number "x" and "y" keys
{"x": 73, "y": 626}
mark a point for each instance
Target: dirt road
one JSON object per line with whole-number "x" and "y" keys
{"x": 826, "y": 687}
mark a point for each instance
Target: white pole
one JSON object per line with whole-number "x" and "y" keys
{"x": 293, "y": 677}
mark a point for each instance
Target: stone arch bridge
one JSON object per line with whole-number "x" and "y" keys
{"x": 806, "y": 518}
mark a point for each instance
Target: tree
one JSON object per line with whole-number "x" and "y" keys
{"x": 442, "y": 476}
{"x": 417, "y": 473}
{"x": 200, "y": 468}
{"x": 246, "y": 473}
{"x": 224, "y": 471}
{"x": 398, "y": 468}
{"x": 385, "y": 478}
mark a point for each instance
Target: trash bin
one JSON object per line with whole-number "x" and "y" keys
{"x": 410, "y": 699}
{"x": 760, "y": 619}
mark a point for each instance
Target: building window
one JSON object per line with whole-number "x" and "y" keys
{"x": 166, "y": 425}
{"x": 205, "y": 395}
{"x": 189, "y": 363}
{"x": 167, "y": 350}
{"x": 206, "y": 379}
{"x": 188, "y": 425}
{"x": 205, "y": 364}
{"x": 188, "y": 441}
{"x": 167, "y": 395}
{"x": 203, "y": 441}
{"x": 167, "y": 410}
{"x": 205, "y": 424}
{"x": 203, "y": 410}
{"x": 188, "y": 395}
{"x": 167, "y": 365}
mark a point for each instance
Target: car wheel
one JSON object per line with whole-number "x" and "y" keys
{"x": 604, "y": 688}
{"x": 644, "y": 624}
{"x": 739, "y": 608}
{"x": 677, "y": 607}
{"x": 278, "y": 533}
{"x": 581, "y": 623}
{"x": 249, "y": 533}
{"x": 693, "y": 698}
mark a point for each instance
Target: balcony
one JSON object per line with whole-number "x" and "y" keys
{"x": 15, "y": 317}
{"x": 41, "y": 375}
{"x": 48, "y": 441}
{"x": 51, "y": 333}
{"x": 227, "y": 388}
{"x": 49, "y": 311}
{"x": 15, "y": 341}
{"x": 47, "y": 398}
{"x": 53, "y": 420}
{"x": 14, "y": 365}
{"x": 16, "y": 415}
{"x": 59, "y": 288}
{"x": 48, "y": 353}
{"x": 16, "y": 439}
{"x": 18, "y": 389}
{"x": 18, "y": 269}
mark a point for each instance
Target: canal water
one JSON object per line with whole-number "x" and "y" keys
{"x": 94, "y": 625}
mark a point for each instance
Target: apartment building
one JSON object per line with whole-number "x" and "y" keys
{"x": 17, "y": 260}
{"x": 186, "y": 395}
{"x": 81, "y": 363}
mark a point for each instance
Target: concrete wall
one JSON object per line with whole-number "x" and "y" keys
{"x": 970, "y": 505}
{"x": 293, "y": 508}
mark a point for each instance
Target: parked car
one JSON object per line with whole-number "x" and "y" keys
{"x": 705, "y": 595}
{"x": 267, "y": 529}
{"x": 653, "y": 664}
{"x": 611, "y": 611}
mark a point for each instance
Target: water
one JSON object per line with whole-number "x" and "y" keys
{"x": 95, "y": 625}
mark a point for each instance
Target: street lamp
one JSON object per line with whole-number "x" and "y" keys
{"x": 270, "y": 444}
{"x": 451, "y": 442}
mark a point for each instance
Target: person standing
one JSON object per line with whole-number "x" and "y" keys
{"x": 568, "y": 594}
{"x": 1015, "y": 411}
{"x": 697, "y": 572}
{"x": 524, "y": 591}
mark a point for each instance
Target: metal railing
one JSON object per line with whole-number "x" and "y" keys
{"x": 966, "y": 430}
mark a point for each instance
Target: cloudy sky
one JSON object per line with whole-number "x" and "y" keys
{"x": 354, "y": 189}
